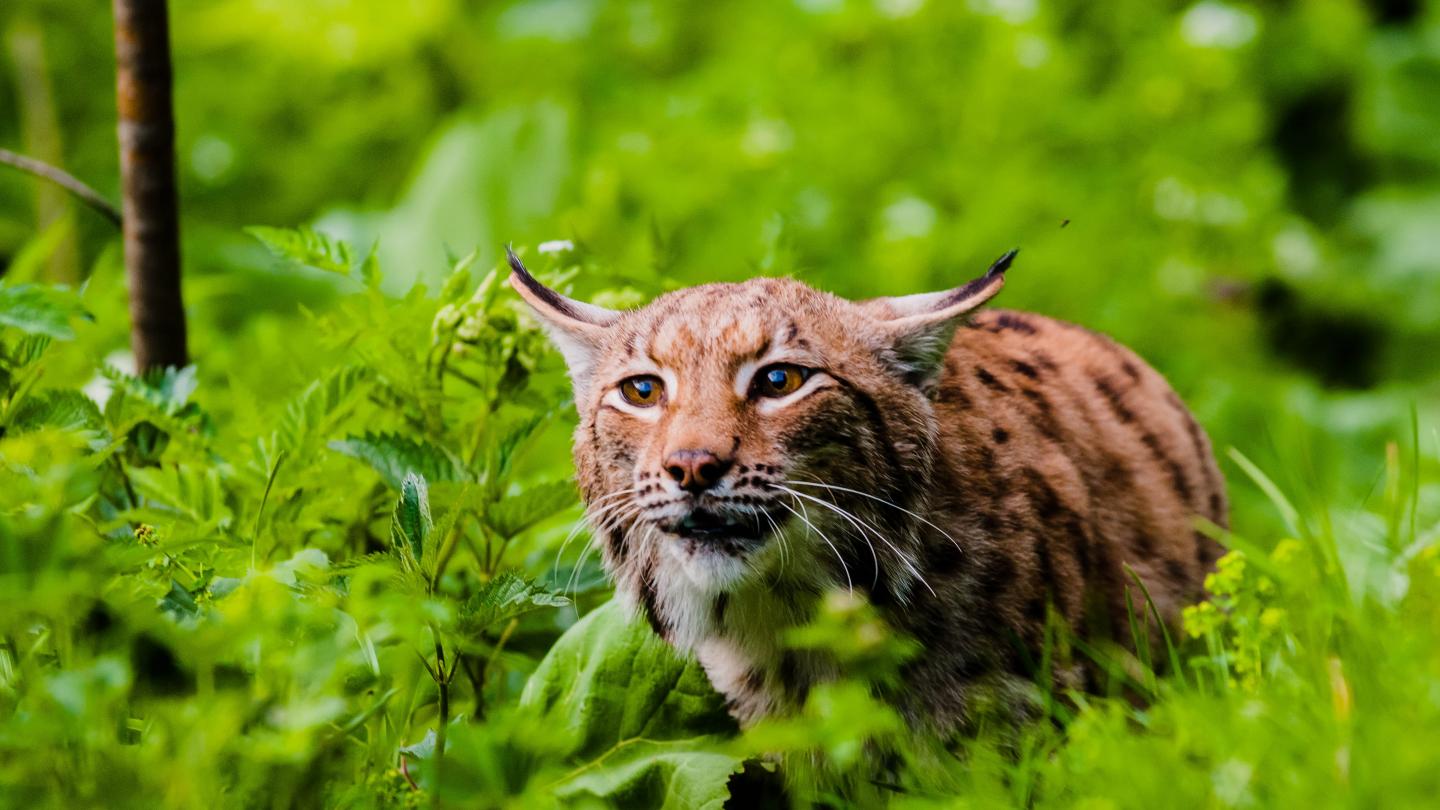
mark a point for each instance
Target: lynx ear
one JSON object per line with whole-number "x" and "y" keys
{"x": 578, "y": 329}
{"x": 918, "y": 328}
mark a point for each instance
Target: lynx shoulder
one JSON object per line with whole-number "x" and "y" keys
{"x": 744, "y": 449}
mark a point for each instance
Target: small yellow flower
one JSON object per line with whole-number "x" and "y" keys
{"x": 145, "y": 535}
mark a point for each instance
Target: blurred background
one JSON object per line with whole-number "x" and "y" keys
{"x": 1247, "y": 193}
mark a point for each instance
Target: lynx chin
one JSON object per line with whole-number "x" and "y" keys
{"x": 744, "y": 448}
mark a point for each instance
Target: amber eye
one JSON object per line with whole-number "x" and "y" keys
{"x": 642, "y": 392}
{"x": 779, "y": 380}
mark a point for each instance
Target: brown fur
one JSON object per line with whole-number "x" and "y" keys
{"x": 1011, "y": 466}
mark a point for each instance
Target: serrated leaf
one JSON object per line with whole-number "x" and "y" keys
{"x": 508, "y": 435}
{"x": 305, "y": 246}
{"x": 61, "y": 408}
{"x": 410, "y": 523}
{"x": 459, "y": 278}
{"x": 196, "y": 492}
{"x": 505, "y": 597}
{"x": 37, "y": 309}
{"x": 167, "y": 390}
{"x": 519, "y": 512}
{"x": 317, "y": 408}
{"x": 395, "y": 456}
{"x": 639, "y": 725}
{"x": 29, "y": 349}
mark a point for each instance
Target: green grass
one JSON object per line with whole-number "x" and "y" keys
{"x": 216, "y": 588}
{"x": 217, "y": 595}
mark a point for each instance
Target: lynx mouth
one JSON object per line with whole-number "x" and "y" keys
{"x": 727, "y": 529}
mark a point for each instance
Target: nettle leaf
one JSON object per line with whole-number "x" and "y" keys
{"x": 193, "y": 491}
{"x": 306, "y": 246}
{"x": 395, "y": 456}
{"x": 639, "y": 726}
{"x": 410, "y": 524}
{"x": 519, "y": 512}
{"x": 505, "y": 597}
{"x": 27, "y": 350}
{"x": 61, "y": 408}
{"x": 37, "y": 309}
{"x": 508, "y": 437}
{"x": 319, "y": 407}
{"x": 167, "y": 391}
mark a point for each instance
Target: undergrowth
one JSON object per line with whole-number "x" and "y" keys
{"x": 334, "y": 566}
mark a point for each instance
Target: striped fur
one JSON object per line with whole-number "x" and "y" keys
{"x": 996, "y": 468}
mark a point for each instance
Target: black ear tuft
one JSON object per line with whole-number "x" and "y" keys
{"x": 545, "y": 294}
{"x": 1002, "y": 264}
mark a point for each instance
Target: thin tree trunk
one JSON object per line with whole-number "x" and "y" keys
{"x": 147, "y": 173}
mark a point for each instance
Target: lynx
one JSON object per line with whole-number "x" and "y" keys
{"x": 743, "y": 449}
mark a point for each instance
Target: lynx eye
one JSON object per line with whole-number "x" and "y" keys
{"x": 643, "y": 391}
{"x": 779, "y": 380}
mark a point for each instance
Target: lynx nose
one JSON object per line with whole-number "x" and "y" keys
{"x": 695, "y": 470}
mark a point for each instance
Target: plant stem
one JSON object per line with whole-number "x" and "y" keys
{"x": 64, "y": 179}
{"x": 442, "y": 682}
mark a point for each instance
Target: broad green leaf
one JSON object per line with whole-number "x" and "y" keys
{"x": 639, "y": 725}
{"x": 519, "y": 512}
{"x": 503, "y": 598}
{"x": 179, "y": 603}
{"x": 40, "y": 310}
{"x": 305, "y": 246}
{"x": 666, "y": 774}
{"x": 410, "y": 524}
{"x": 395, "y": 456}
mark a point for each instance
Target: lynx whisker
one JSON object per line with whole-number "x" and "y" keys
{"x": 587, "y": 519}
{"x": 892, "y": 504}
{"x": 861, "y": 527}
{"x": 848, "y": 584}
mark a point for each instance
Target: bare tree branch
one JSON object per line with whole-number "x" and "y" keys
{"x": 65, "y": 180}
{"x": 147, "y": 171}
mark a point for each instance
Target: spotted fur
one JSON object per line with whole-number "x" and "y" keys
{"x": 997, "y": 471}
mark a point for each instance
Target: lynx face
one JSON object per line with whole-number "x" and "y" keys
{"x": 719, "y": 421}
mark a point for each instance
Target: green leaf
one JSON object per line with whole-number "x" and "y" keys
{"x": 167, "y": 390}
{"x": 61, "y": 408}
{"x": 395, "y": 456}
{"x": 318, "y": 408}
{"x": 40, "y": 310}
{"x": 666, "y": 774}
{"x": 639, "y": 726}
{"x": 410, "y": 524}
{"x": 305, "y": 246}
{"x": 28, "y": 349}
{"x": 179, "y": 603}
{"x": 369, "y": 271}
{"x": 503, "y": 598}
{"x": 517, "y": 513}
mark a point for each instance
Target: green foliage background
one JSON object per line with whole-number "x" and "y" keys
{"x": 217, "y": 588}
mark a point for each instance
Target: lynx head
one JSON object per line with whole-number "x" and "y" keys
{"x": 717, "y": 422}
